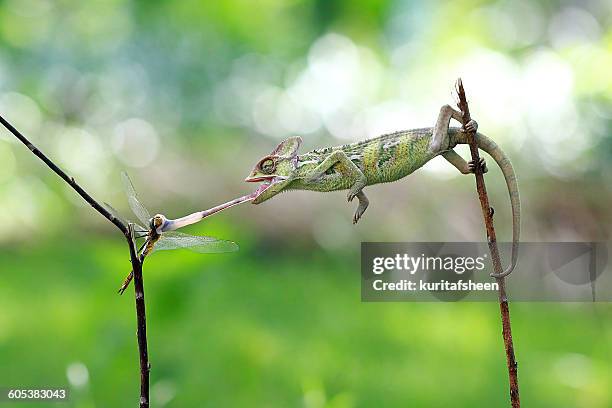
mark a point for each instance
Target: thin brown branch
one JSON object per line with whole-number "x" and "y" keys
{"x": 70, "y": 180}
{"x": 487, "y": 213}
{"x": 127, "y": 230}
{"x": 141, "y": 317}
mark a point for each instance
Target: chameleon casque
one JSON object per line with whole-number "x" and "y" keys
{"x": 383, "y": 159}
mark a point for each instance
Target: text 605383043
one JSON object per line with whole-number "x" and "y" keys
{"x": 39, "y": 394}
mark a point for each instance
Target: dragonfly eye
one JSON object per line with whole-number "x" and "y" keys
{"x": 268, "y": 166}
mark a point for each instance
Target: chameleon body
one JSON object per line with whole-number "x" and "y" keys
{"x": 383, "y": 159}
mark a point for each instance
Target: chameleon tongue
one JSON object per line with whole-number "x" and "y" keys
{"x": 249, "y": 197}
{"x": 228, "y": 204}
{"x": 172, "y": 225}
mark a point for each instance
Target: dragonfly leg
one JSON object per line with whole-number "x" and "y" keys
{"x": 128, "y": 279}
{"x": 144, "y": 244}
{"x": 126, "y": 283}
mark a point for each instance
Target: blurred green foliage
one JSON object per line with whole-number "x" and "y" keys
{"x": 270, "y": 329}
{"x": 188, "y": 95}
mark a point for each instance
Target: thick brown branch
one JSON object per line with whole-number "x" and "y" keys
{"x": 487, "y": 213}
{"x": 136, "y": 263}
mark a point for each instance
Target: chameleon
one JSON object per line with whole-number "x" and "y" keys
{"x": 383, "y": 159}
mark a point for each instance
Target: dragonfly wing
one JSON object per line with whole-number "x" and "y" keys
{"x": 139, "y": 210}
{"x": 195, "y": 243}
{"x": 113, "y": 212}
{"x": 137, "y": 228}
{"x": 164, "y": 244}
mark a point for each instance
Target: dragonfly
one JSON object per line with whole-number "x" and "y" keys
{"x": 159, "y": 233}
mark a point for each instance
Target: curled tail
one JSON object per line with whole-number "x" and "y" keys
{"x": 489, "y": 146}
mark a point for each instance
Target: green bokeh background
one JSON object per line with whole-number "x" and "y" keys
{"x": 187, "y": 96}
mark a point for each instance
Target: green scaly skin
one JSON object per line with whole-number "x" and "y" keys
{"x": 383, "y": 159}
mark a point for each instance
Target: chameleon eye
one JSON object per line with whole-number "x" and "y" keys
{"x": 268, "y": 166}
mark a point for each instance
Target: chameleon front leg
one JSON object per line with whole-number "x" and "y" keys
{"x": 349, "y": 170}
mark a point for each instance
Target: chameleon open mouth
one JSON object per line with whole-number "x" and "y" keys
{"x": 267, "y": 182}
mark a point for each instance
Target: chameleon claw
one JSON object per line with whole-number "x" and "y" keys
{"x": 471, "y": 126}
{"x": 481, "y": 163}
{"x": 358, "y": 214}
{"x": 363, "y": 205}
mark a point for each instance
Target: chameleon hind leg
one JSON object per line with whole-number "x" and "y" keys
{"x": 464, "y": 167}
{"x": 439, "y": 139}
{"x": 349, "y": 170}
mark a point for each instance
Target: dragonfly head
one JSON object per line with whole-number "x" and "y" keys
{"x": 276, "y": 170}
{"x": 157, "y": 223}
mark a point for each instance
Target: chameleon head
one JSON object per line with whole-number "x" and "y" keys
{"x": 276, "y": 170}
{"x": 157, "y": 223}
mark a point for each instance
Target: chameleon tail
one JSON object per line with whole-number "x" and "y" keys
{"x": 489, "y": 146}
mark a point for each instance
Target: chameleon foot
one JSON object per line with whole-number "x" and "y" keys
{"x": 357, "y": 215}
{"x": 363, "y": 204}
{"x": 472, "y": 126}
{"x": 481, "y": 163}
